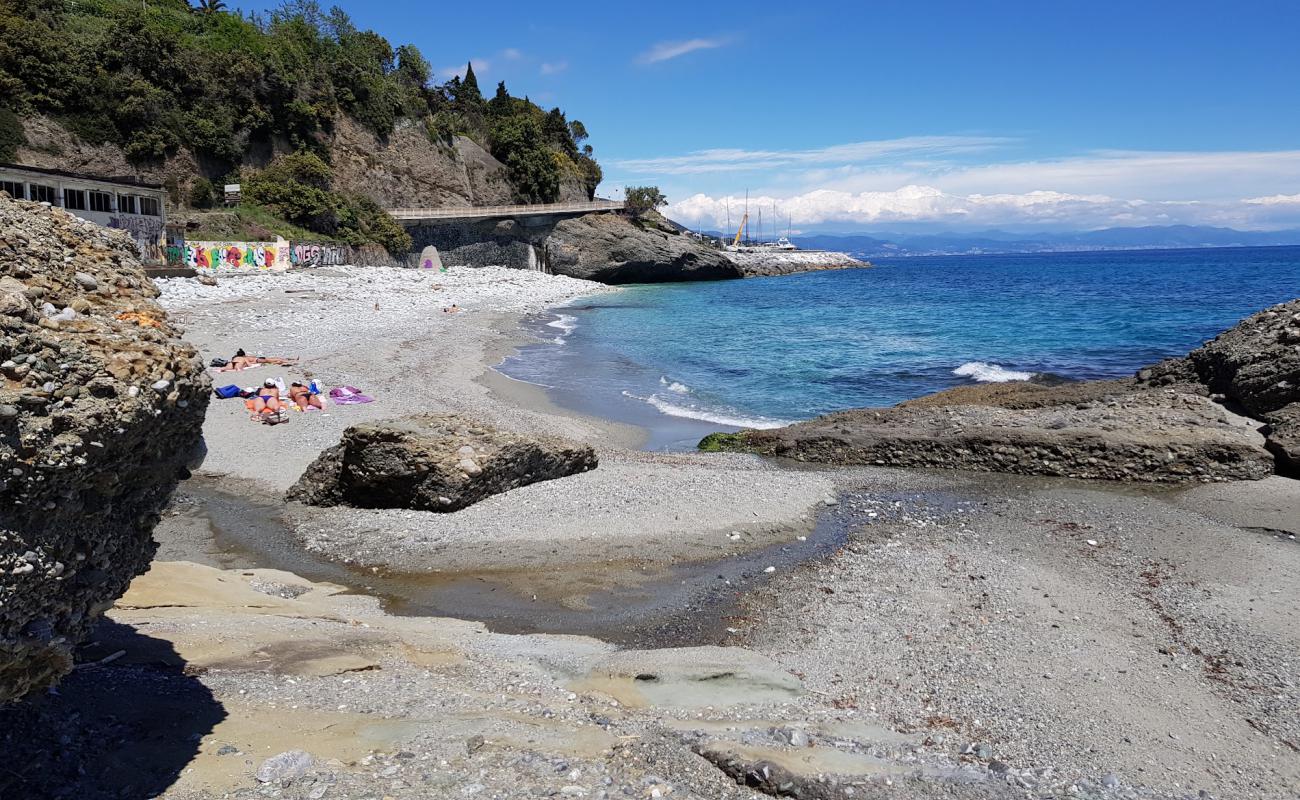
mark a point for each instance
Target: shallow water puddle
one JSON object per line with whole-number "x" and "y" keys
{"x": 629, "y": 604}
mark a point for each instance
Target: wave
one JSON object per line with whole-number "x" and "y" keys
{"x": 564, "y": 322}
{"x": 689, "y": 412}
{"x": 990, "y": 373}
{"x": 674, "y": 386}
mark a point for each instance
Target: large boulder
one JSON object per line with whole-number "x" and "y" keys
{"x": 1254, "y": 365}
{"x": 101, "y": 407}
{"x": 1110, "y": 430}
{"x": 433, "y": 462}
{"x": 612, "y": 248}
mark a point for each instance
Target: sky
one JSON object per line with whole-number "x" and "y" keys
{"x": 898, "y": 114}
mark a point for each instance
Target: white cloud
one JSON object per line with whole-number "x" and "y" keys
{"x": 511, "y": 54}
{"x": 663, "y": 51}
{"x": 931, "y": 205}
{"x": 1274, "y": 200}
{"x": 481, "y": 65}
{"x": 729, "y": 160}
{"x": 554, "y": 67}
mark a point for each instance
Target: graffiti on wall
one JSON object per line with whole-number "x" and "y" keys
{"x": 234, "y": 255}
{"x": 147, "y": 232}
{"x": 317, "y": 255}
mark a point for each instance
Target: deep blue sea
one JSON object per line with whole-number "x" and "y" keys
{"x": 766, "y": 351}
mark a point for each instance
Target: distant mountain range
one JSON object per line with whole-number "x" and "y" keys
{"x": 880, "y": 245}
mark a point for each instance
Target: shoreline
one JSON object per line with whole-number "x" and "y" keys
{"x": 959, "y": 638}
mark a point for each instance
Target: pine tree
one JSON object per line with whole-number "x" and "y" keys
{"x": 469, "y": 85}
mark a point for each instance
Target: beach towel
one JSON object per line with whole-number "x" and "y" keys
{"x": 349, "y": 395}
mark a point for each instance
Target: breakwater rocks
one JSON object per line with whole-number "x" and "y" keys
{"x": 788, "y": 262}
{"x": 1113, "y": 430}
{"x": 433, "y": 462}
{"x": 101, "y": 406}
{"x": 1255, "y": 365}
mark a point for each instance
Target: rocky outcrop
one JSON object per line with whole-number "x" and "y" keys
{"x": 789, "y": 262}
{"x": 612, "y": 248}
{"x": 1113, "y": 430}
{"x": 433, "y": 462}
{"x": 101, "y": 406}
{"x": 1255, "y": 366}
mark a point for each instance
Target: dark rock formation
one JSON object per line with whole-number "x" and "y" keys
{"x": 101, "y": 405}
{"x": 1254, "y": 365}
{"x": 432, "y": 462}
{"x": 1112, "y": 430}
{"x": 611, "y": 248}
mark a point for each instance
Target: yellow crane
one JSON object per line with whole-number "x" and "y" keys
{"x": 741, "y": 230}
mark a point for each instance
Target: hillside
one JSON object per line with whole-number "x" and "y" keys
{"x": 194, "y": 99}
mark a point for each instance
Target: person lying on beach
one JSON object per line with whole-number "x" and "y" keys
{"x": 303, "y": 397}
{"x": 267, "y": 403}
{"x": 452, "y": 309}
{"x": 242, "y": 361}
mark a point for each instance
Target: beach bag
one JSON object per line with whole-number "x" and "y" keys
{"x": 227, "y": 392}
{"x": 218, "y": 362}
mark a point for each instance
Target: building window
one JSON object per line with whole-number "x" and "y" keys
{"x": 126, "y": 204}
{"x": 74, "y": 199}
{"x": 101, "y": 201}
{"x": 149, "y": 206}
{"x": 14, "y": 189}
{"x": 44, "y": 194}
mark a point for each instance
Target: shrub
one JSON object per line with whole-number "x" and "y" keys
{"x": 11, "y": 135}
{"x": 644, "y": 199}
{"x": 202, "y": 195}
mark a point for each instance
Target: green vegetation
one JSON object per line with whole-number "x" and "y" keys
{"x": 165, "y": 75}
{"x": 723, "y": 442}
{"x": 296, "y": 188}
{"x": 249, "y": 223}
{"x": 11, "y": 134}
{"x": 641, "y": 200}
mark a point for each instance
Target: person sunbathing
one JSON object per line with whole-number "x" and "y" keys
{"x": 267, "y": 404}
{"x": 303, "y": 397}
{"x": 242, "y": 361}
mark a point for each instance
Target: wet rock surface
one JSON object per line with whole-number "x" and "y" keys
{"x": 1106, "y": 430}
{"x": 433, "y": 462}
{"x": 101, "y": 405}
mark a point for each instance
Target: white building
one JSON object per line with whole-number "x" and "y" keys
{"x": 124, "y": 203}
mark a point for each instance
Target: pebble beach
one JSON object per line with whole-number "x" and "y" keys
{"x": 951, "y": 634}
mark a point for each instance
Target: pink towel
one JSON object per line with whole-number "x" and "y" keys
{"x": 349, "y": 395}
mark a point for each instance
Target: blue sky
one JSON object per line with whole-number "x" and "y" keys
{"x": 883, "y": 114}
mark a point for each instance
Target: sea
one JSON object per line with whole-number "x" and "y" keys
{"x": 682, "y": 360}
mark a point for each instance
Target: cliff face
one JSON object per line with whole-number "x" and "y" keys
{"x": 101, "y": 405}
{"x": 404, "y": 169}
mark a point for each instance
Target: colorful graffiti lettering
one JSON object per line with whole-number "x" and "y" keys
{"x": 232, "y": 255}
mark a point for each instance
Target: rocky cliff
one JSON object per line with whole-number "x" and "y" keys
{"x": 101, "y": 406}
{"x": 404, "y": 169}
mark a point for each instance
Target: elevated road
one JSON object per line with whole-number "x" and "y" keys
{"x": 411, "y": 216}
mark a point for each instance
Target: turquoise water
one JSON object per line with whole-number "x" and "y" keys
{"x": 767, "y": 351}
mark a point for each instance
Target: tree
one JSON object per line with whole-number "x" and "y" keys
{"x": 211, "y": 6}
{"x": 518, "y": 143}
{"x": 642, "y": 200}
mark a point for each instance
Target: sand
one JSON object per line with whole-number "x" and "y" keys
{"x": 972, "y": 636}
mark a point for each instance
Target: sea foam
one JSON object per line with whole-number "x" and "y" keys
{"x": 990, "y": 373}
{"x": 689, "y": 412}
